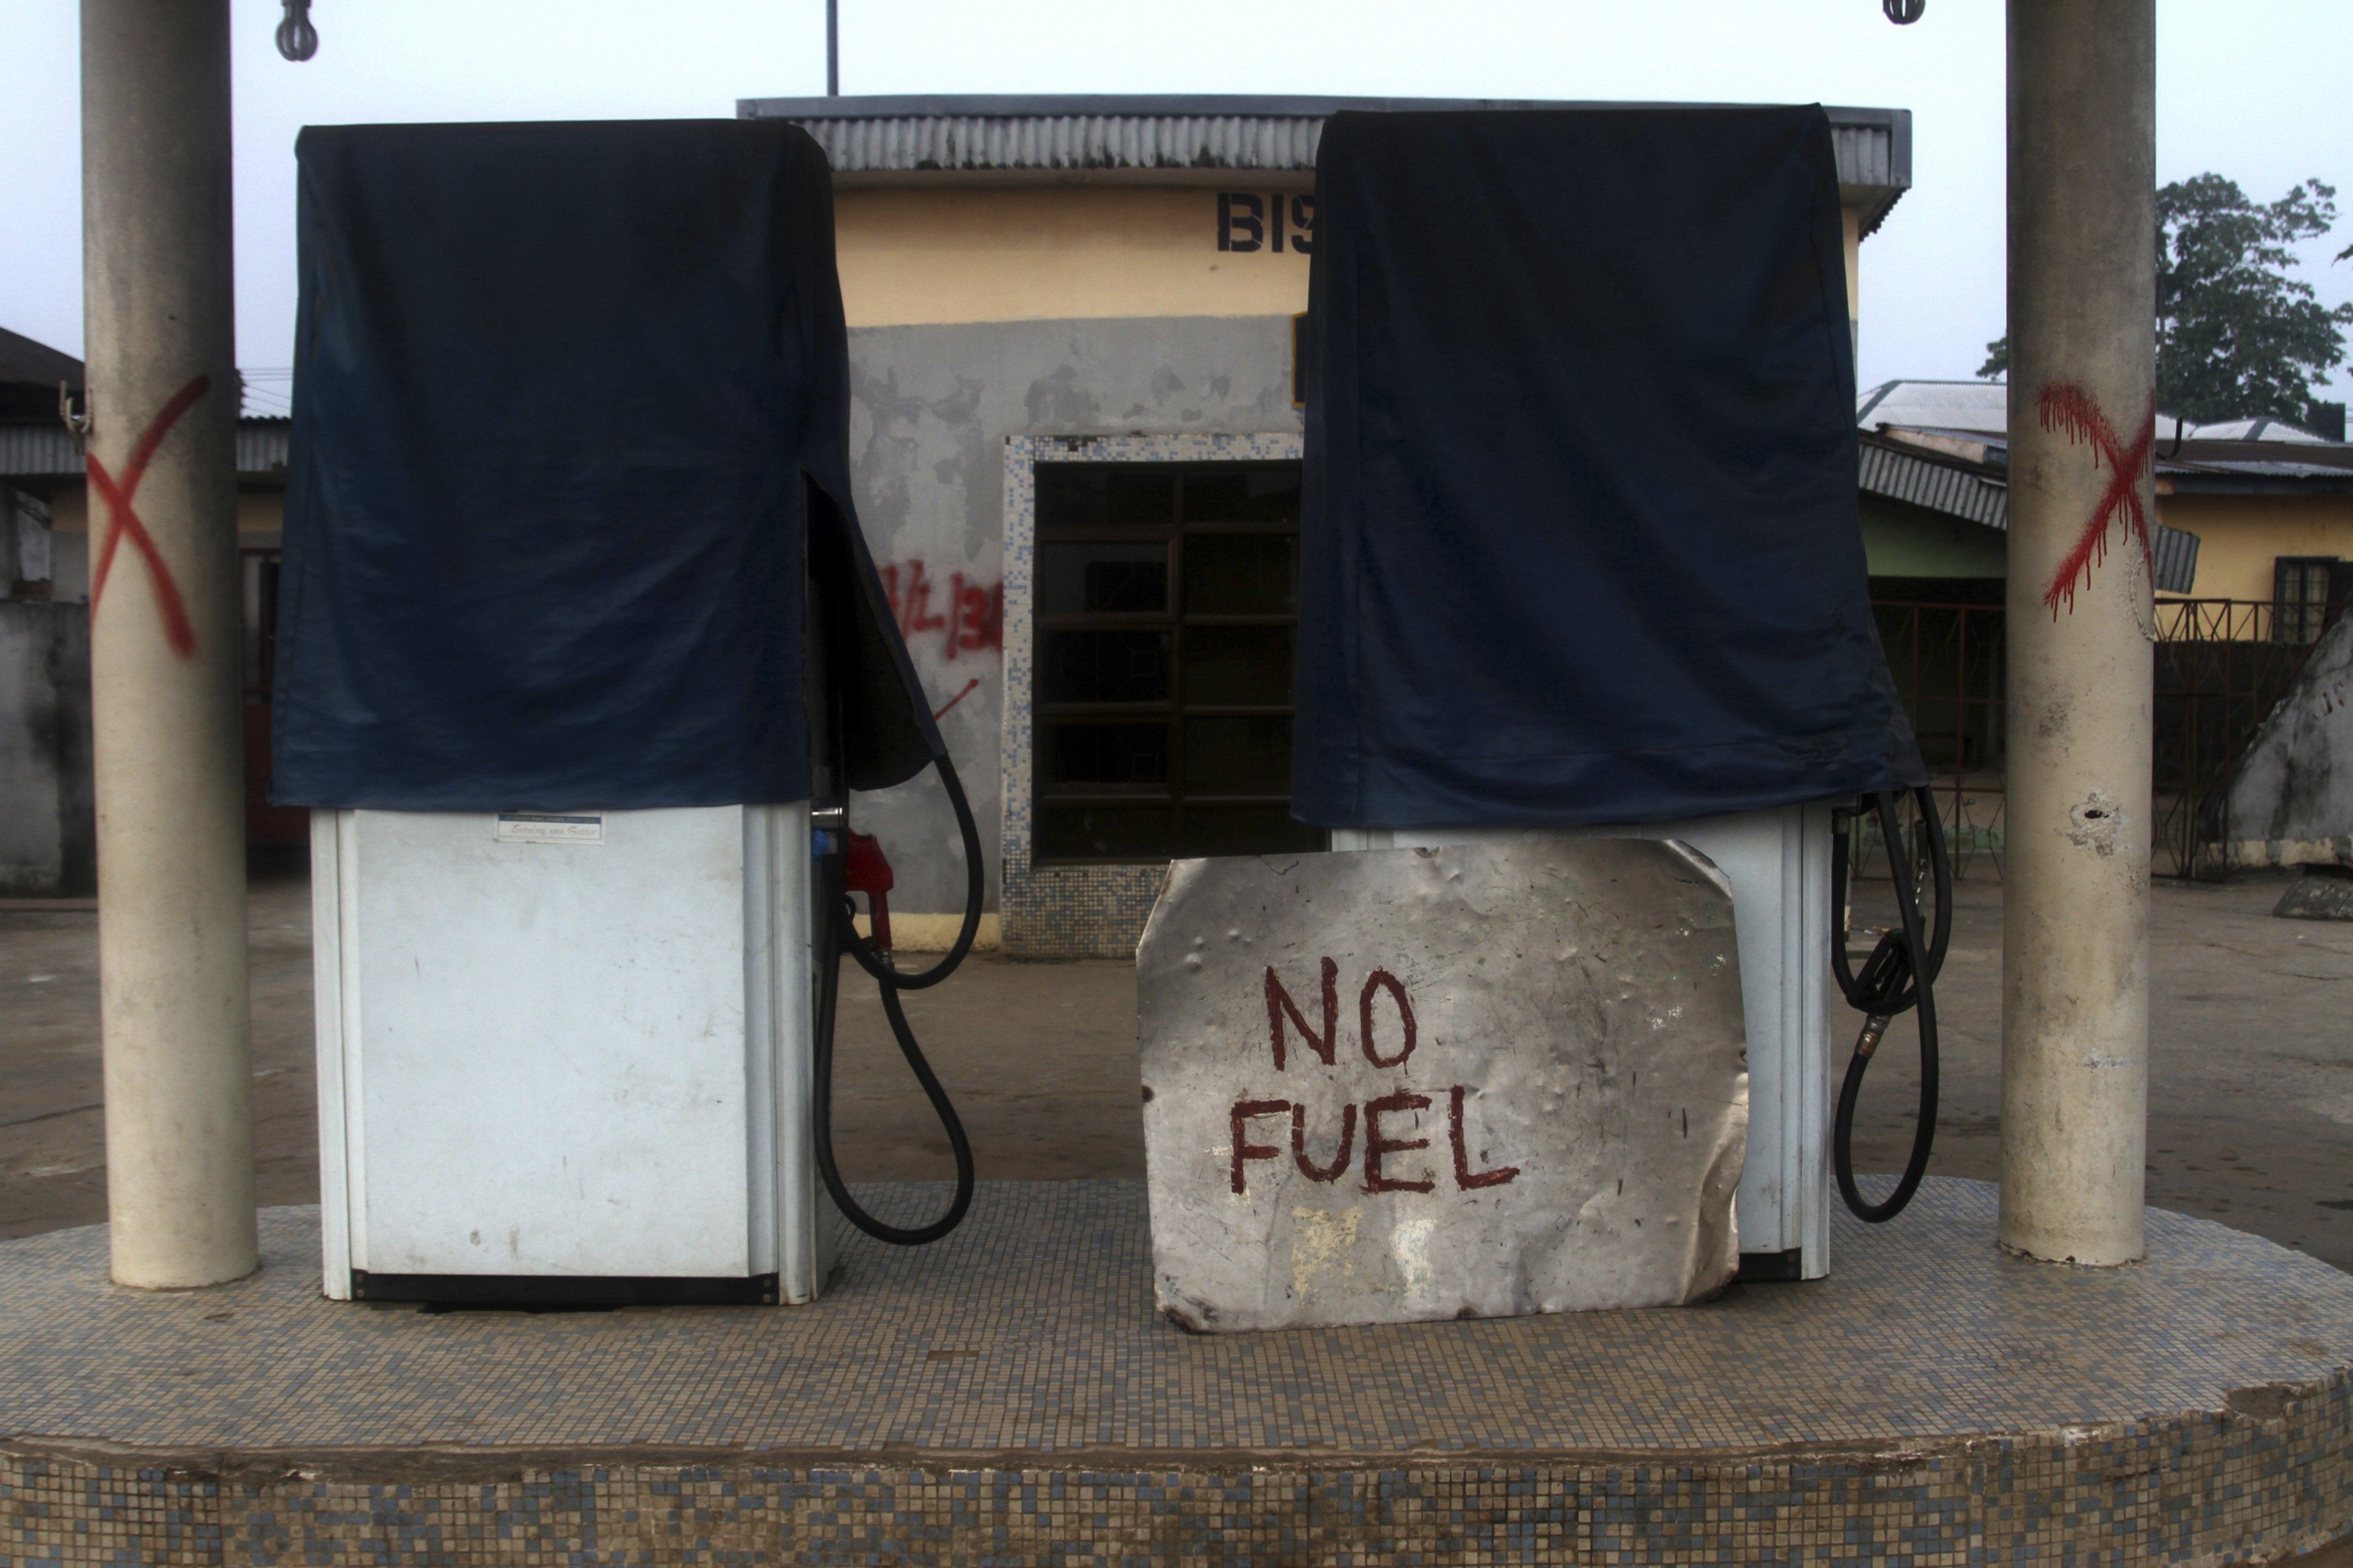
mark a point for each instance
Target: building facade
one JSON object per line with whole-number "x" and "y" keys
{"x": 2252, "y": 510}
{"x": 1076, "y": 441}
{"x": 1076, "y": 444}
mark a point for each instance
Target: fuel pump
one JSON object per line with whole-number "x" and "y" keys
{"x": 1580, "y": 555}
{"x": 581, "y": 659}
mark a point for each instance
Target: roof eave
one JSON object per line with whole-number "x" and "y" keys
{"x": 2181, "y": 482}
{"x": 1268, "y": 139}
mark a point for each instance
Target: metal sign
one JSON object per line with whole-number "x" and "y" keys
{"x": 1410, "y": 1084}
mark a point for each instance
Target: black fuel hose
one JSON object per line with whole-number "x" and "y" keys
{"x": 1899, "y": 976}
{"x": 836, "y": 934}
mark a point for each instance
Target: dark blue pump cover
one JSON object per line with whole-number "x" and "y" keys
{"x": 1580, "y": 541}
{"x": 570, "y": 459}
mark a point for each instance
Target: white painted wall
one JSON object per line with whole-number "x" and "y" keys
{"x": 932, "y": 406}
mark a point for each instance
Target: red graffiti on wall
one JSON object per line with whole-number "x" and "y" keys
{"x": 123, "y": 519}
{"x": 2069, "y": 408}
{"x": 969, "y": 688}
{"x": 969, "y": 617}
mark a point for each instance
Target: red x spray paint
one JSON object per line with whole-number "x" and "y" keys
{"x": 122, "y": 520}
{"x": 2069, "y": 408}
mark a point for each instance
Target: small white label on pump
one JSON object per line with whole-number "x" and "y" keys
{"x": 542, "y": 827}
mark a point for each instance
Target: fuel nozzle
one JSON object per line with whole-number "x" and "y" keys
{"x": 867, "y": 870}
{"x": 1874, "y": 1027}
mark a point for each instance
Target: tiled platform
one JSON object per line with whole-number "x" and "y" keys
{"x": 1010, "y": 1397}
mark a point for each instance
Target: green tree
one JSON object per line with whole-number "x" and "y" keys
{"x": 2237, "y": 337}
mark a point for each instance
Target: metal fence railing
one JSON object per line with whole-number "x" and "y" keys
{"x": 2221, "y": 665}
{"x": 1948, "y": 661}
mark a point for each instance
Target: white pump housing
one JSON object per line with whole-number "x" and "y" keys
{"x": 1778, "y": 863}
{"x": 563, "y": 1048}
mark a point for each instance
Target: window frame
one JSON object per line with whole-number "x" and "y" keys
{"x": 1174, "y": 712}
{"x": 2310, "y": 617}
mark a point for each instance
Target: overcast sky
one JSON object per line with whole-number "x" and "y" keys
{"x": 2261, "y": 93}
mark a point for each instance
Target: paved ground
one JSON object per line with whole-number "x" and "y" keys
{"x": 2251, "y": 1096}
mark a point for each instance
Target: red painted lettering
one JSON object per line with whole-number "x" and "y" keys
{"x": 1381, "y": 979}
{"x": 1465, "y": 1177}
{"x": 1308, "y": 1168}
{"x": 972, "y": 620}
{"x": 981, "y": 612}
{"x": 1244, "y": 1150}
{"x": 914, "y": 609}
{"x": 1377, "y": 1147}
{"x": 1279, "y": 1004}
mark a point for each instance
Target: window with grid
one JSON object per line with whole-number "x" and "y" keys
{"x": 2300, "y": 586}
{"x": 1167, "y": 610}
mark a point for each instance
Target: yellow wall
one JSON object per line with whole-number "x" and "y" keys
{"x": 2240, "y": 536}
{"x": 1015, "y": 253}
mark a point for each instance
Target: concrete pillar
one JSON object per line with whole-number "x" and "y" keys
{"x": 2075, "y": 1076}
{"x": 164, "y": 639}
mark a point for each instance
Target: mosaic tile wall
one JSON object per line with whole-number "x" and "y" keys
{"x": 1008, "y": 1397}
{"x": 2232, "y": 1487}
{"x": 1074, "y": 911}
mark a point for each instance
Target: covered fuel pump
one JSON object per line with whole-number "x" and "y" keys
{"x": 580, "y": 655}
{"x": 1580, "y": 552}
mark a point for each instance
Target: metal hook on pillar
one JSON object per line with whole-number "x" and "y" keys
{"x": 297, "y": 39}
{"x": 77, "y": 420}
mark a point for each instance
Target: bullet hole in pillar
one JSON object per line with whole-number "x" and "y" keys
{"x": 2094, "y": 823}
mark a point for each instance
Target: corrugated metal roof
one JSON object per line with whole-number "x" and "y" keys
{"x": 2177, "y": 559}
{"x": 2239, "y": 457}
{"x": 1976, "y": 492}
{"x": 262, "y": 445}
{"x": 963, "y": 141}
{"x": 42, "y": 450}
{"x": 1982, "y": 407}
{"x": 1205, "y": 136}
{"x": 1957, "y": 489}
{"x": 24, "y": 362}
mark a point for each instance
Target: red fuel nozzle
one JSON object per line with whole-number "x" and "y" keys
{"x": 868, "y": 871}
